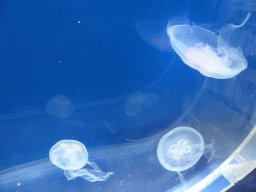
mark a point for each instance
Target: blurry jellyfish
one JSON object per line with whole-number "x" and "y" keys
{"x": 152, "y": 32}
{"x": 71, "y": 156}
{"x": 60, "y": 106}
{"x": 180, "y": 149}
{"x": 139, "y": 102}
{"x": 199, "y": 48}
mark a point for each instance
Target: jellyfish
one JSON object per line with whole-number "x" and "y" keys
{"x": 151, "y": 31}
{"x": 72, "y": 156}
{"x": 60, "y": 106}
{"x": 180, "y": 149}
{"x": 137, "y": 103}
{"x": 199, "y": 48}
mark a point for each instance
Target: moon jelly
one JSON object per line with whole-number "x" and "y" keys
{"x": 60, "y": 106}
{"x": 180, "y": 149}
{"x": 71, "y": 156}
{"x": 206, "y": 52}
{"x": 138, "y": 103}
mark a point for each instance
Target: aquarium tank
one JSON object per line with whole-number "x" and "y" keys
{"x": 133, "y": 95}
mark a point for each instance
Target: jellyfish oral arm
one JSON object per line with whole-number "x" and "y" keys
{"x": 226, "y": 31}
{"x": 182, "y": 180}
{"x": 210, "y": 148}
{"x": 92, "y": 175}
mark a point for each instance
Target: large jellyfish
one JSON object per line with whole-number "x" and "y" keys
{"x": 199, "y": 48}
{"x": 71, "y": 156}
{"x": 180, "y": 149}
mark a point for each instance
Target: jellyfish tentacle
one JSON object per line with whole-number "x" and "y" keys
{"x": 182, "y": 180}
{"x": 210, "y": 148}
{"x": 226, "y": 31}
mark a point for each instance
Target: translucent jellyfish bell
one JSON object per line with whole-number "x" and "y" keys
{"x": 60, "y": 106}
{"x": 206, "y": 52}
{"x": 180, "y": 149}
{"x": 72, "y": 156}
{"x": 137, "y": 103}
{"x": 199, "y": 48}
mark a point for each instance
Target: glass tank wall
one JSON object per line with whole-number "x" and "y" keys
{"x": 94, "y": 96}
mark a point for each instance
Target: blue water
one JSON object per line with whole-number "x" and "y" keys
{"x": 47, "y": 51}
{"x": 110, "y": 87}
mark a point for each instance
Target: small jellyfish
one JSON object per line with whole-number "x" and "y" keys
{"x": 180, "y": 149}
{"x": 137, "y": 103}
{"x": 72, "y": 156}
{"x": 60, "y": 106}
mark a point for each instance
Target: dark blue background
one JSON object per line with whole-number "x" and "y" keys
{"x": 45, "y": 51}
{"x": 90, "y": 52}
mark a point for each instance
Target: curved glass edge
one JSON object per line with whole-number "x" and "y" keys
{"x": 241, "y": 163}
{"x": 213, "y": 115}
{"x": 237, "y": 158}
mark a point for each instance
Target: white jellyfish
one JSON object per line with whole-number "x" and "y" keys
{"x": 60, "y": 106}
{"x": 199, "y": 48}
{"x": 72, "y": 156}
{"x": 180, "y": 149}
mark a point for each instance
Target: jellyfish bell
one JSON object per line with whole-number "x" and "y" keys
{"x": 69, "y": 155}
{"x": 206, "y": 52}
{"x": 72, "y": 156}
{"x": 181, "y": 148}
{"x": 138, "y": 103}
{"x": 199, "y": 48}
{"x": 60, "y": 106}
